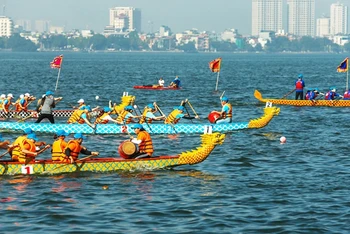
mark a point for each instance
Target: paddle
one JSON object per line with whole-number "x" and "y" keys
{"x": 3, "y": 154}
{"x": 193, "y": 108}
{"x": 162, "y": 113}
{"x": 25, "y": 118}
{"x": 187, "y": 111}
{"x": 66, "y": 164}
{"x": 29, "y": 158}
{"x": 136, "y": 108}
{"x": 288, "y": 93}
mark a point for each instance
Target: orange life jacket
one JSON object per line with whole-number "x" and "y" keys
{"x": 24, "y": 106}
{"x": 146, "y": 146}
{"x": 7, "y": 106}
{"x": 32, "y": 148}
{"x": 75, "y": 148}
{"x": 57, "y": 151}
{"x": 172, "y": 117}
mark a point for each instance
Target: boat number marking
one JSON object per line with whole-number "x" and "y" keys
{"x": 124, "y": 128}
{"x": 208, "y": 129}
{"x": 268, "y": 104}
{"x": 27, "y": 169}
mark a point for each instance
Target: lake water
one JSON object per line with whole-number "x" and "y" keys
{"x": 250, "y": 184}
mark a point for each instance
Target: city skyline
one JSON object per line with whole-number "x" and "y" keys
{"x": 179, "y": 15}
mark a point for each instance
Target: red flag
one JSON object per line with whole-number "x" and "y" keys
{"x": 57, "y": 62}
{"x": 215, "y": 65}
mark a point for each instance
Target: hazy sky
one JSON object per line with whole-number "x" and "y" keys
{"x": 179, "y": 15}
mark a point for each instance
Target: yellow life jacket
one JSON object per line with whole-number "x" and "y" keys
{"x": 229, "y": 114}
{"x": 76, "y": 117}
{"x": 172, "y": 117}
{"x": 17, "y": 150}
{"x": 143, "y": 118}
{"x": 100, "y": 120}
{"x": 121, "y": 117}
{"x": 57, "y": 151}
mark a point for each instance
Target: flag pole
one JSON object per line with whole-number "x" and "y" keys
{"x": 217, "y": 81}
{"x": 347, "y": 80}
{"x": 58, "y": 77}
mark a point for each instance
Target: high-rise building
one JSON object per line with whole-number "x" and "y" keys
{"x": 6, "y": 26}
{"x": 339, "y": 19}
{"x": 25, "y": 24}
{"x": 42, "y": 26}
{"x": 266, "y": 16}
{"x": 323, "y": 26}
{"x": 125, "y": 18}
{"x": 301, "y": 17}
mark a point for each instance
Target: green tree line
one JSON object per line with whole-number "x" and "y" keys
{"x": 134, "y": 43}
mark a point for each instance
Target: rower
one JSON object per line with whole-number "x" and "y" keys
{"x": 126, "y": 116}
{"x": 74, "y": 148}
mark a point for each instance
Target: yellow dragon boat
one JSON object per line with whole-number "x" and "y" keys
{"x": 333, "y": 103}
{"x": 198, "y": 155}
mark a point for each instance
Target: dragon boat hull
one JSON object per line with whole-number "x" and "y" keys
{"x": 110, "y": 129}
{"x": 209, "y": 142}
{"x": 332, "y": 103}
{"x": 155, "y": 87}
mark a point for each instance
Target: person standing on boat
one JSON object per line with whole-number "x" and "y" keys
{"x": 74, "y": 148}
{"x": 144, "y": 141}
{"x": 126, "y": 116}
{"x": 161, "y": 82}
{"x": 225, "y": 115}
{"x": 59, "y": 145}
{"x": 299, "y": 87}
{"x": 148, "y": 114}
{"x": 176, "y": 83}
{"x": 46, "y": 109}
{"x": 331, "y": 94}
{"x": 105, "y": 116}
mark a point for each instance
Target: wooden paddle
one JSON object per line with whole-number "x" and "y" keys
{"x": 66, "y": 164}
{"x": 288, "y": 93}
{"x": 136, "y": 108}
{"x": 3, "y": 154}
{"x": 193, "y": 108}
{"x": 25, "y": 118}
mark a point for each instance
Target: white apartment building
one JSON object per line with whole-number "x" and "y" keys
{"x": 266, "y": 16}
{"x": 322, "y": 27}
{"x": 339, "y": 19}
{"x": 301, "y": 17}
{"x": 125, "y": 18}
{"x": 6, "y": 26}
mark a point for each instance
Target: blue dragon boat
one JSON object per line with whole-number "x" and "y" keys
{"x": 109, "y": 129}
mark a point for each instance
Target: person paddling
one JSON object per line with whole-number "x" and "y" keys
{"x": 148, "y": 114}
{"x": 74, "y": 148}
{"x": 59, "y": 145}
{"x": 105, "y": 116}
{"x": 178, "y": 113}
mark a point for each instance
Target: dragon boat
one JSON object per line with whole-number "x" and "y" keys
{"x": 110, "y": 129}
{"x": 198, "y": 155}
{"x": 332, "y": 103}
{"x": 156, "y": 87}
{"x": 125, "y": 101}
